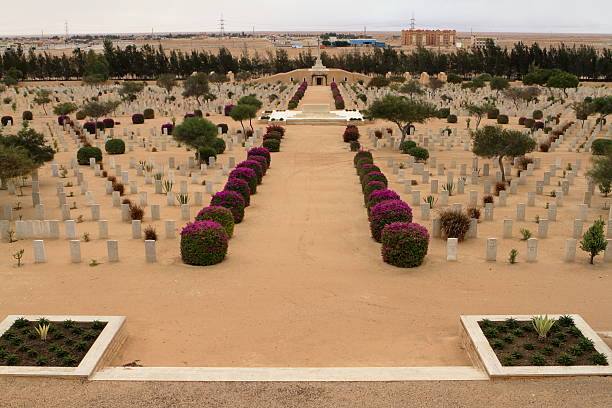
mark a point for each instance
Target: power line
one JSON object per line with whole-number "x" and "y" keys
{"x": 412, "y": 21}
{"x": 222, "y": 26}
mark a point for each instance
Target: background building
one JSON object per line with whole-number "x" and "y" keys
{"x": 429, "y": 38}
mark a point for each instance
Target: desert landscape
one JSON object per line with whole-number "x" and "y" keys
{"x": 306, "y": 220}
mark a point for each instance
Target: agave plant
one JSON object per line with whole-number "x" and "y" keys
{"x": 43, "y": 330}
{"x": 148, "y": 167}
{"x": 542, "y": 325}
{"x": 167, "y": 186}
{"x": 431, "y": 200}
{"x": 182, "y": 198}
{"x": 158, "y": 176}
{"x": 450, "y": 187}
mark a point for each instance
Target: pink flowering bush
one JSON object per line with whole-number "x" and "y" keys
{"x": 232, "y": 201}
{"x": 378, "y": 196}
{"x": 218, "y": 214}
{"x": 247, "y": 175}
{"x": 253, "y": 165}
{"x": 261, "y": 151}
{"x": 387, "y": 212}
{"x": 168, "y": 126}
{"x": 241, "y": 187}
{"x": 404, "y": 244}
{"x": 227, "y": 109}
{"x": 261, "y": 160}
{"x": 373, "y": 176}
{"x": 370, "y": 187}
{"x": 203, "y": 243}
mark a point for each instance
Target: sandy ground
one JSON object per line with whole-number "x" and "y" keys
{"x": 303, "y": 283}
{"x": 544, "y": 393}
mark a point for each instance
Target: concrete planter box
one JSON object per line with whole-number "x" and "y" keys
{"x": 101, "y": 352}
{"x": 483, "y": 356}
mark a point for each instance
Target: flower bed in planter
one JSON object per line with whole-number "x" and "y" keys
{"x": 75, "y": 346}
{"x": 509, "y": 346}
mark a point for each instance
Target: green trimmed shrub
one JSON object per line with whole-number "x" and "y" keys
{"x": 80, "y": 115}
{"x": 114, "y": 146}
{"x": 85, "y": 153}
{"x": 220, "y": 215}
{"x": 272, "y": 145}
{"x": 362, "y": 154}
{"x": 149, "y": 113}
{"x": 206, "y": 153}
{"x": 419, "y": 153}
{"x": 27, "y": 115}
{"x": 203, "y": 243}
{"x": 355, "y": 146}
{"x": 493, "y": 113}
{"x": 451, "y": 119}
{"x": 443, "y": 113}
{"x": 537, "y": 114}
{"x": 601, "y": 146}
{"x": 529, "y": 123}
{"x": 219, "y": 145}
{"x": 406, "y": 145}
{"x": 503, "y": 119}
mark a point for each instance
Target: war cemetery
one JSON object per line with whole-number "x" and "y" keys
{"x": 406, "y": 224}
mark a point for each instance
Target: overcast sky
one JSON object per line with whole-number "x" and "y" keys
{"x": 29, "y": 17}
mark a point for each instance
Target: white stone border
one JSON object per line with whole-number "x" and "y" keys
{"x": 109, "y": 339}
{"x": 493, "y": 367}
{"x": 289, "y": 374}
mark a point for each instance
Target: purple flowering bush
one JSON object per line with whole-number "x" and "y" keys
{"x": 232, "y": 201}
{"x": 62, "y": 118}
{"x": 366, "y": 168}
{"x": 373, "y": 176}
{"x": 261, "y": 151}
{"x": 404, "y": 244}
{"x": 189, "y": 115}
{"x": 276, "y": 128}
{"x": 261, "y": 160}
{"x": 108, "y": 123}
{"x": 203, "y": 243}
{"x": 378, "y": 196}
{"x": 218, "y": 214}
{"x": 522, "y": 120}
{"x": 247, "y": 175}
{"x": 241, "y": 187}
{"x": 168, "y": 126}
{"x": 362, "y": 154}
{"x": 370, "y": 187}
{"x": 227, "y": 109}
{"x": 387, "y": 212}
{"x": 253, "y": 165}
{"x": 138, "y": 119}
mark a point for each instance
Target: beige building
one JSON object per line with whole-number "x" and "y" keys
{"x": 317, "y": 75}
{"x": 429, "y": 38}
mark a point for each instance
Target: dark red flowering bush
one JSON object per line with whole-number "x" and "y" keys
{"x": 203, "y": 243}
{"x": 276, "y": 128}
{"x": 232, "y": 201}
{"x": 351, "y": 134}
{"x": 247, "y": 175}
{"x": 241, "y": 187}
{"x": 62, "y": 118}
{"x": 404, "y": 244}
{"x": 218, "y": 214}
{"x": 227, "y": 109}
{"x": 387, "y": 212}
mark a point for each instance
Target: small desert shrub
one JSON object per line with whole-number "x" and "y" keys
{"x": 529, "y": 123}
{"x": 451, "y": 119}
{"x": 544, "y": 146}
{"x": 443, "y": 113}
{"x": 473, "y": 212}
{"x": 27, "y": 115}
{"x": 388, "y": 212}
{"x": 499, "y": 186}
{"x": 136, "y": 212}
{"x": 85, "y": 153}
{"x": 241, "y": 187}
{"x": 355, "y": 146}
{"x": 521, "y": 120}
{"x": 150, "y": 233}
{"x": 406, "y": 145}
{"x": 276, "y": 128}
{"x": 80, "y": 115}
{"x": 108, "y": 123}
{"x": 119, "y": 187}
{"x": 404, "y": 244}
{"x": 419, "y": 153}
{"x": 493, "y": 113}
{"x": 218, "y": 214}
{"x": 454, "y": 224}
{"x": 246, "y": 174}
{"x": 149, "y": 113}
{"x": 232, "y": 201}
{"x": 115, "y": 146}
{"x": 523, "y": 161}
{"x": 537, "y": 114}
{"x": 487, "y": 199}
{"x": 502, "y": 119}
{"x": 203, "y": 243}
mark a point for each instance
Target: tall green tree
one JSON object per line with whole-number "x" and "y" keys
{"x": 594, "y": 241}
{"x": 196, "y": 132}
{"x": 242, "y": 112}
{"x": 166, "y": 81}
{"x": 130, "y": 89}
{"x": 65, "y": 108}
{"x": 563, "y": 80}
{"x": 96, "y": 69}
{"x": 401, "y": 111}
{"x": 495, "y": 141}
{"x": 196, "y": 86}
{"x": 96, "y": 110}
{"x": 43, "y": 98}
{"x": 603, "y": 106}
{"x": 14, "y": 162}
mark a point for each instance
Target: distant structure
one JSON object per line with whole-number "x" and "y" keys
{"x": 480, "y": 41}
{"x": 429, "y": 38}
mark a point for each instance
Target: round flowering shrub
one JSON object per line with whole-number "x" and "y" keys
{"x": 363, "y": 161}
{"x": 241, "y": 187}
{"x": 108, "y": 123}
{"x": 218, "y": 214}
{"x": 232, "y": 201}
{"x": 370, "y": 187}
{"x": 223, "y": 127}
{"x": 273, "y": 135}
{"x": 351, "y": 133}
{"x": 90, "y": 127}
{"x": 261, "y": 151}
{"x": 404, "y": 244}
{"x": 373, "y": 176}
{"x": 227, "y": 109}
{"x": 378, "y": 196}
{"x": 138, "y": 119}
{"x": 521, "y": 120}
{"x": 168, "y": 126}
{"x": 6, "y": 119}
{"x": 27, "y": 115}
{"x": 84, "y": 153}
{"x": 149, "y": 113}
{"x": 255, "y": 166}
{"x": 115, "y": 146}
{"x": 529, "y": 123}
{"x": 247, "y": 175}
{"x": 276, "y": 128}
{"x": 367, "y": 168}
{"x": 62, "y": 118}
{"x": 189, "y": 115}
{"x": 261, "y": 160}
{"x": 387, "y": 212}
{"x": 362, "y": 154}
{"x": 539, "y": 124}
{"x": 203, "y": 243}
{"x": 272, "y": 145}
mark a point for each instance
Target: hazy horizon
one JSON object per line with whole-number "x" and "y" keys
{"x": 140, "y": 16}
